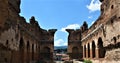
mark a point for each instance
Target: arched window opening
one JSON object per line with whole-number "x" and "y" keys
{"x": 100, "y": 43}
{"x": 93, "y": 49}
{"x": 7, "y": 43}
{"x": 112, "y": 7}
{"x": 101, "y": 48}
{"x": 21, "y": 49}
{"x": 21, "y": 45}
{"x": 88, "y": 50}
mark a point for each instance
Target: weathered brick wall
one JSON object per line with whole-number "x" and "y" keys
{"x": 25, "y": 40}
{"x": 108, "y": 32}
{"x": 5, "y": 55}
{"x": 8, "y": 38}
{"x": 74, "y": 41}
{"x": 3, "y": 12}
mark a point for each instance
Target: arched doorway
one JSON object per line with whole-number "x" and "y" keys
{"x": 28, "y": 46}
{"x": 93, "y": 49}
{"x": 101, "y": 48}
{"x": 88, "y": 50}
{"x": 21, "y": 44}
{"x": 32, "y": 51}
{"x": 75, "y": 52}
{"x": 21, "y": 50}
{"x": 85, "y": 51}
{"x": 28, "y": 52}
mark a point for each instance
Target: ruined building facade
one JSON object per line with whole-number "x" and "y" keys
{"x": 74, "y": 44}
{"x": 101, "y": 42}
{"x": 75, "y": 49}
{"x": 22, "y": 42}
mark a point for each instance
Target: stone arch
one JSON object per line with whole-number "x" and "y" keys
{"x": 32, "y": 51}
{"x": 21, "y": 44}
{"x": 88, "y": 50}
{"x": 28, "y": 52}
{"x": 75, "y": 50}
{"x": 21, "y": 50}
{"x": 101, "y": 49}
{"x": 93, "y": 49}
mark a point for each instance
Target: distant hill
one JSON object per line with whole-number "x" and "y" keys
{"x": 60, "y": 47}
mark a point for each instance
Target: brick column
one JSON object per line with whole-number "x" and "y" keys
{"x": 83, "y": 52}
{"x": 91, "y": 55}
{"x": 86, "y": 51}
{"x": 97, "y": 52}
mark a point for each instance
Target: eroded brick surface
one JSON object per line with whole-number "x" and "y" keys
{"x": 22, "y": 42}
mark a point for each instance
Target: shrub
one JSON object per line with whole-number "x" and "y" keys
{"x": 87, "y": 61}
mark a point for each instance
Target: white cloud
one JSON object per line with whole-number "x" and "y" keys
{"x": 72, "y": 26}
{"x": 90, "y": 17}
{"x": 60, "y": 42}
{"x": 94, "y": 5}
{"x": 92, "y": 22}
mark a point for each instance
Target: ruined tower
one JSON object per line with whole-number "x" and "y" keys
{"x": 74, "y": 44}
{"x": 47, "y": 45}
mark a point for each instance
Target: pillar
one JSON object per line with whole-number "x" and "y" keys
{"x": 83, "y": 52}
{"x": 97, "y": 52}
{"x": 86, "y": 51}
{"x": 91, "y": 55}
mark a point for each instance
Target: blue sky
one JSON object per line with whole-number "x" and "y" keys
{"x": 61, "y": 15}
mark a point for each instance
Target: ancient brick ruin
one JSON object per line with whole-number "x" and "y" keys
{"x": 22, "y": 42}
{"x": 100, "y": 42}
{"x": 74, "y": 44}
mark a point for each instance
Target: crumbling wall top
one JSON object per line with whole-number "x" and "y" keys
{"x": 101, "y": 0}
{"x": 52, "y": 31}
{"x": 70, "y": 30}
{"x": 74, "y": 35}
{"x": 15, "y": 5}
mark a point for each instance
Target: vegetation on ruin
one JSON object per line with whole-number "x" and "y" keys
{"x": 87, "y": 61}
